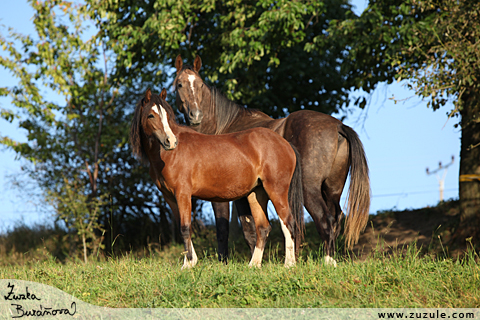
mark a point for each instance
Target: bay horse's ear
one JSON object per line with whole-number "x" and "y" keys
{"x": 178, "y": 63}
{"x": 148, "y": 95}
{"x": 197, "y": 63}
{"x": 163, "y": 94}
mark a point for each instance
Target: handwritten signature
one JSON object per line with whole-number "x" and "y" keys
{"x": 41, "y": 311}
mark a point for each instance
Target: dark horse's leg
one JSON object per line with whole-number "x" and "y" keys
{"x": 317, "y": 207}
{"x": 317, "y": 138}
{"x": 332, "y": 188}
{"x": 248, "y": 223}
{"x": 322, "y": 199}
{"x": 222, "y": 218}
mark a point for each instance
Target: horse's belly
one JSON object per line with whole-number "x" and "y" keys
{"x": 225, "y": 186}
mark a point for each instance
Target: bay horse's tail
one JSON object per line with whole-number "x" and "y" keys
{"x": 295, "y": 200}
{"x": 359, "y": 192}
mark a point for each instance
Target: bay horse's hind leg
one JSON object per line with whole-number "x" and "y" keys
{"x": 287, "y": 223}
{"x": 247, "y": 221}
{"x": 222, "y": 218}
{"x": 258, "y": 201}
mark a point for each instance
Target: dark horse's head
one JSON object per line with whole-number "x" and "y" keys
{"x": 189, "y": 88}
{"x": 153, "y": 117}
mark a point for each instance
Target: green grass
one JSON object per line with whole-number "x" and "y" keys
{"x": 385, "y": 278}
{"x": 400, "y": 280}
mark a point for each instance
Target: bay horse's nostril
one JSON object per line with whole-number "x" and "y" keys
{"x": 170, "y": 143}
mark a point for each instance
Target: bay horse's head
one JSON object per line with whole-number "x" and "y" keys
{"x": 188, "y": 86}
{"x": 157, "y": 119}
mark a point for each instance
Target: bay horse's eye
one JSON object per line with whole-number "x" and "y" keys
{"x": 151, "y": 116}
{"x": 179, "y": 85}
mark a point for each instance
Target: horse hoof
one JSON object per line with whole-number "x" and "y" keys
{"x": 255, "y": 264}
{"x": 189, "y": 264}
{"x": 329, "y": 261}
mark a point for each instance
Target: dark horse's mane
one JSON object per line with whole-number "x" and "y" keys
{"x": 225, "y": 110}
{"x": 139, "y": 118}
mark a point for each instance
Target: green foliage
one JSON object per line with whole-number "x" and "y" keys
{"x": 22, "y": 244}
{"x": 78, "y": 212}
{"x": 253, "y": 50}
{"x": 448, "y": 44}
{"x": 432, "y": 43}
{"x": 77, "y": 125}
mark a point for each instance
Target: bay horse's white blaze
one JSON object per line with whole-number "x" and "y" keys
{"x": 190, "y": 264}
{"x": 166, "y": 127}
{"x": 289, "y": 246}
{"x": 329, "y": 261}
{"x": 256, "y": 258}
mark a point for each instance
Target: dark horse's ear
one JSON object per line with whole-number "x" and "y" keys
{"x": 163, "y": 94}
{"x": 148, "y": 96}
{"x": 197, "y": 64}
{"x": 178, "y": 63}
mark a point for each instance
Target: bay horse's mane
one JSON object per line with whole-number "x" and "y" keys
{"x": 139, "y": 118}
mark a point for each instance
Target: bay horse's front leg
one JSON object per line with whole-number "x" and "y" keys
{"x": 258, "y": 200}
{"x": 222, "y": 218}
{"x": 185, "y": 209}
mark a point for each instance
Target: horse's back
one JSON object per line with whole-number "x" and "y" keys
{"x": 232, "y": 164}
{"x": 265, "y": 141}
{"x": 275, "y": 154}
{"x": 310, "y": 123}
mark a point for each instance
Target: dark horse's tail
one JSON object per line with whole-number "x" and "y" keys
{"x": 359, "y": 191}
{"x": 295, "y": 200}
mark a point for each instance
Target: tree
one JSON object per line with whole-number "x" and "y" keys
{"x": 78, "y": 212}
{"x": 434, "y": 44}
{"x": 77, "y": 124}
{"x": 253, "y": 50}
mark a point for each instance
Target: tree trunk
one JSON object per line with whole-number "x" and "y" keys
{"x": 469, "y": 185}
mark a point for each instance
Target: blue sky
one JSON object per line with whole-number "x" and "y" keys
{"x": 400, "y": 141}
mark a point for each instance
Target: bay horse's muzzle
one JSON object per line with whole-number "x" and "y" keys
{"x": 168, "y": 143}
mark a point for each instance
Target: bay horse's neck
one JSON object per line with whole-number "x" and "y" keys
{"x": 224, "y": 116}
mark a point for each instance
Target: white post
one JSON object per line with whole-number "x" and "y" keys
{"x": 441, "y": 181}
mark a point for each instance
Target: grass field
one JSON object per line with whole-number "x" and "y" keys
{"x": 400, "y": 280}
{"x": 383, "y": 276}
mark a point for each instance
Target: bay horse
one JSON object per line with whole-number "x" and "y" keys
{"x": 257, "y": 164}
{"x": 329, "y": 151}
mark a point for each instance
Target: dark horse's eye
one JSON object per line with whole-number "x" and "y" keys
{"x": 179, "y": 85}
{"x": 151, "y": 116}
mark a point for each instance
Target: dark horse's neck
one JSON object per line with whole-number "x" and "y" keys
{"x": 229, "y": 116}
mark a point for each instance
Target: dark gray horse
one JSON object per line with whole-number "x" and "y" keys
{"x": 329, "y": 151}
